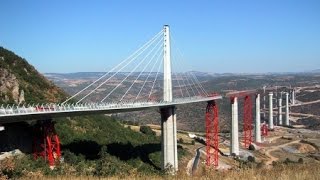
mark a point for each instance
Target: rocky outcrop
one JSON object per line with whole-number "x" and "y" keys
{"x": 20, "y": 82}
{"x": 21, "y": 97}
{"x": 9, "y": 87}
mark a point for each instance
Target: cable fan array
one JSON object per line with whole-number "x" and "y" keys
{"x": 140, "y": 78}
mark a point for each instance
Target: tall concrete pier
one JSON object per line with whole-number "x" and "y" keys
{"x": 169, "y": 154}
{"x": 280, "y": 111}
{"x": 258, "y": 119}
{"x": 234, "y": 127}
{"x": 293, "y": 96}
{"x": 287, "y": 122}
{"x": 271, "y": 110}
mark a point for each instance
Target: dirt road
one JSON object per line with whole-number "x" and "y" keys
{"x": 272, "y": 158}
{"x": 194, "y": 162}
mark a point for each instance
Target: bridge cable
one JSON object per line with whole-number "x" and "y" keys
{"x": 177, "y": 80}
{"x": 188, "y": 82}
{"x": 135, "y": 57}
{"x": 183, "y": 79}
{"x": 155, "y": 79}
{"x": 157, "y": 51}
{"x": 143, "y": 46}
{"x": 199, "y": 83}
{"x": 196, "y": 81}
{"x": 194, "y": 84}
{"x": 194, "y": 76}
{"x": 128, "y": 74}
{"x": 190, "y": 85}
{"x": 175, "y": 65}
{"x": 151, "y": 71}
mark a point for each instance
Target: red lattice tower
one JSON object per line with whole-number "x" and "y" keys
{"x": 247, "y": 119}
{"x": 46, "y": 142}
{"x": 212, "y": 130}
{"x": 264, "y": 129}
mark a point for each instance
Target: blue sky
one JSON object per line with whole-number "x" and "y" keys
{"x": 215, "y": 36}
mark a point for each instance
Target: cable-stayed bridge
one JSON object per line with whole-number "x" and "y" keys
{"x": 154, "y": 76}
{"x": 151, "y": 77}
{"x": 136, "y": 83}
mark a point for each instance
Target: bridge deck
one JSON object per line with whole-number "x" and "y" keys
{"x": 16, "y": 114}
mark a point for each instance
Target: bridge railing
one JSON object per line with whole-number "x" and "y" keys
{"x": 10, "y": 110}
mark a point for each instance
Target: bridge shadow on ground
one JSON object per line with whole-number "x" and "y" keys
{"x": 128, "y": 151}
{"x": 16, "y": 136}
{"x": 89, "y": 149}
{"x": 124, "y": 151}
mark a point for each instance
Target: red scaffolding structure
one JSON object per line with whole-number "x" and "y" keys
{"x": 212, "y": 130}
{"x": 247, "y": 121}
{"x": 46, "y": 142}
{"x": 264, "y": 129}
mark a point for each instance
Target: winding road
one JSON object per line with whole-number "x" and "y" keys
{"x": 194, "y": 162}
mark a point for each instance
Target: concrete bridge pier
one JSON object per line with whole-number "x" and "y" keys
{"x": 258, "y": 119}
{"x": 287, "y": 122}
{"x": 280, "y": 111}
{"x": 234, "y": 127}
{"x": 271, "y": 110}
{"x": 169, "y": 153}
{"x": 293, "y": 96}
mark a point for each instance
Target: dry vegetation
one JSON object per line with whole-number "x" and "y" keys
{"x": 280, "y": 172}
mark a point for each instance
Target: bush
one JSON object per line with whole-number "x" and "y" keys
{"x": 180, "y": 141}
{"x": 288, "y": 161}
{"x": 147, "y": 130}
{"x": 193, "y": 142}
{"x": 251, "y": 159}
{"x": 300, "y": 160}
{"x": 252, "y": 148}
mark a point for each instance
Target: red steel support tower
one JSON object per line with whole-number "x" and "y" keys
{"x": 247, "y": 119}
{"x": 264, "y": 129}
{"x": 46, "y": 142}
{"x": 212, "y": 130}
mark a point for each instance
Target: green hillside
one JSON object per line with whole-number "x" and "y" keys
{"x": 20, "y": 80}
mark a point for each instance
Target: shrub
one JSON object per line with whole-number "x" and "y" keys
{"x": 252, "y": 148}
{"x": 180, "y": 141}
{"x": 251, "y": 159}
{"x": 193, "y": 142}
{"x": 287, "y": 161}
{"x": 147, "y": 130}
{"x": 300, "y": 160}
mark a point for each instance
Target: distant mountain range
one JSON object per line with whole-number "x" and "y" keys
{"x": 315, "y": 71}
{"x": 90, "y": 75}
{"x": 93, "y": 75}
